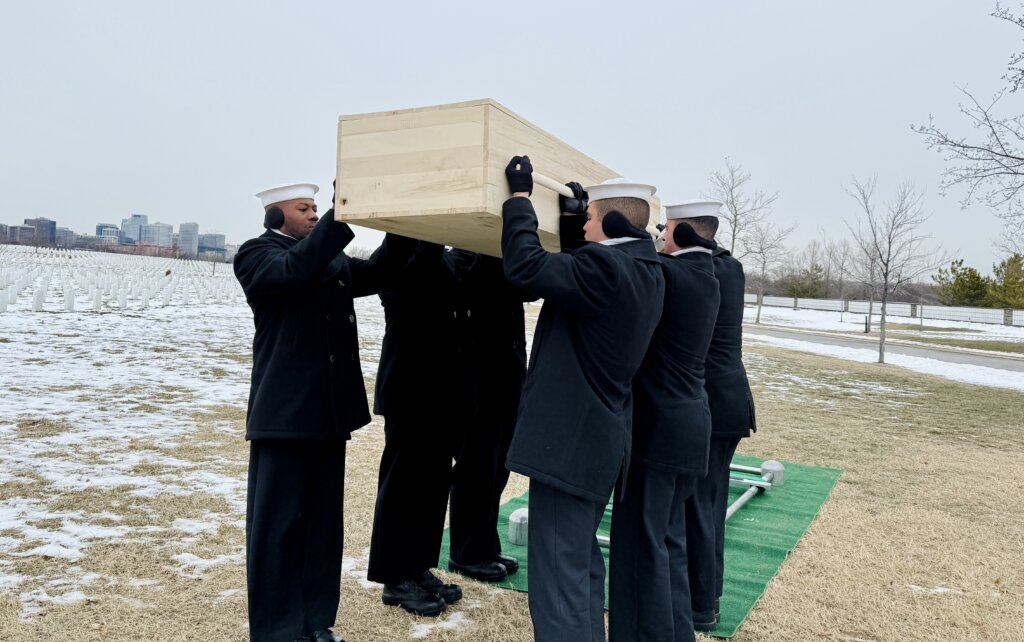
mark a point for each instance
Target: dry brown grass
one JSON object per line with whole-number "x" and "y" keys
{"x": 922, "y": 502}
{"x": 996, "y": 346}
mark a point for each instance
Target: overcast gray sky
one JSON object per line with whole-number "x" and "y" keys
{"x": 184, "y": 110}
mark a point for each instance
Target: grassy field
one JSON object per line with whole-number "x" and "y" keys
{"x": 1015, "y": 347}
{"x": 921, "y": 539}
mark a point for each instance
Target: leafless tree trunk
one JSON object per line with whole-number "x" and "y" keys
{"x": 765, "y": 247}
{"x": 890, "y": 243}
{"x": 840, "y": 259}
{"x": 744, "y": 208}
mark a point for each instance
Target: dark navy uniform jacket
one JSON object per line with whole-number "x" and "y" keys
{"x": 732, "y": 404}
{"x": 454, "y": 338}
{"x": 601, "y": 305}
{"x": 306, "y": 379}
{"x": 671, "y": 418}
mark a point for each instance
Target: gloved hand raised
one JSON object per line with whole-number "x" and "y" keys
{"x": 579, "y": 201}
{"x": 520, "y": 175}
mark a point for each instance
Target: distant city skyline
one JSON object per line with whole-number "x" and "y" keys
{"x": 134, "y": 231}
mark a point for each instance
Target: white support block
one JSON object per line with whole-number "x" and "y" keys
{"x": 518, "y": 525}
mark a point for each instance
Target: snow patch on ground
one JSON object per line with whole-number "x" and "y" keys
{"x": 190, "y": 565}
{"x": 938, "y": 590}
{"x": 782, "y": 384}
{"x": 453, "y": 622}
{"x": 965, "y": 373}
{"x": 356, "y": 568}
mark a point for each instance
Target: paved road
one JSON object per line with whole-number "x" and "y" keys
{"x": 949, "y": 355}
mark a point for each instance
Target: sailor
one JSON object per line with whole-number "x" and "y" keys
{"x": 602, "y": 299}
{"x": 452, "y": 365}
{"x": 307, "y": 396}
{"x": 732, "y": 418}
{"x": 649, "y": 594}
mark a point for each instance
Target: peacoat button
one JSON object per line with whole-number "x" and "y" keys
{"x": 469, "y": 313}
{"x": 351, "y": 318}
{"x": 331, "y": 358}
{"x": 328, "y": 317}
{"x": 341, "y": 283}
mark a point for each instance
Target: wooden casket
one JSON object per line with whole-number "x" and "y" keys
{"x": 438, "y": 173}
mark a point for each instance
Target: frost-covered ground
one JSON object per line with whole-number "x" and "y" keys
{"x": 108, "y": 399}
{"x": 854, "y": 322}
{"x": 961, "y": 332}
{"x": 122, "y": 465}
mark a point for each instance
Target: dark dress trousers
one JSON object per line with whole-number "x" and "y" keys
{"x": 451, "y": 371}
{"x": 732, "y": 418}
{"x": 601, "y": 305}
{"x": 415, "y": 379}
{"x": 491, "y": 350}
{"x": 307, "y": 396}
{"x": 649, "y": 590}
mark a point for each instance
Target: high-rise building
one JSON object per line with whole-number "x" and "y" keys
{"x": 65, "y": 237}
{"x": 46, "y": 230}
{"x": 188, "y": 239}
{"x": 107, "y": 229}
{"x": 22, "y": 234}
{"x": 130, "y": 228}
{"x": 211, "y": 242}
{"x": 156, "y": 234}
{"x": 3, "y": 233}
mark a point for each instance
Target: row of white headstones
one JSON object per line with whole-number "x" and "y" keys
{"x": 55, "y": 280}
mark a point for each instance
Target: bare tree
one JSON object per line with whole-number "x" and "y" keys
{"x": 765, "y": 247}
{"x": 891, "y": 247}
{"x": 744, "y": 207}
{"x": 990, "y": 164}
{"x": 840, "y": 260}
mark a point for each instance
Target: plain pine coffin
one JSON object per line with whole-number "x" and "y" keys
{"x": 438, "y": 173}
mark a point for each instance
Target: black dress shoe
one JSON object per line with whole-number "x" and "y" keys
{"x": 485, "y": 572}
{"x": 511, "y": 564}
{"x": 325, "y": 635}
{"x": 413, "y": 598}
{"x": 450, "y": 593}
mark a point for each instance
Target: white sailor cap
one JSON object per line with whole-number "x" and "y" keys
{"x": 693, "y": 209}
{"x": 620, "y": 188}
{"x": 286, "y": 193}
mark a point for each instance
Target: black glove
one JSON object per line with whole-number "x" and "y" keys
{"x": 579, "y": 201}
{"x": 520, "y": 175}
{"x": 274, "y": 218}
{"x": 685, "y": 236}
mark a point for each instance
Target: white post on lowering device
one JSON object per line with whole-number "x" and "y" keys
{"x": 772, "y": 474}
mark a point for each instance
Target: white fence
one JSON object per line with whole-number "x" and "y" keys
{"x": 995, "y": 316}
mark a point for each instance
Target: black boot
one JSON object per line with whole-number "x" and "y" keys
{"x": 413, "y": 598}
{"x": 485, "y": 572}
{"x": 450, "y": 593}
{"x": 511, "y": 564}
